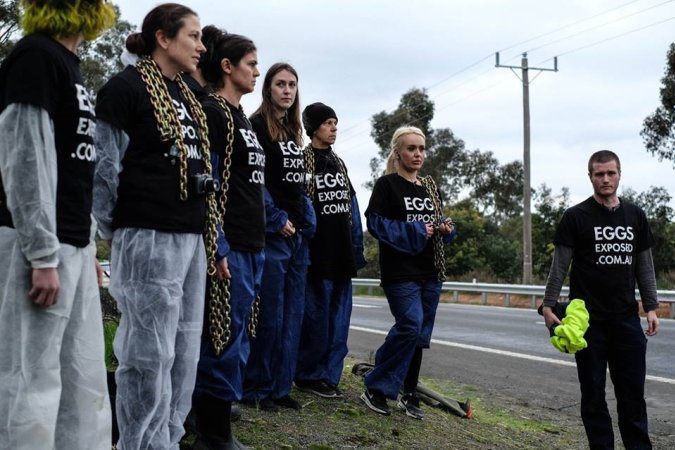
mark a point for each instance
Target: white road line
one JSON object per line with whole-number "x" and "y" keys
{"x": 361, "y": 305}
{"x": 504, "y": 353}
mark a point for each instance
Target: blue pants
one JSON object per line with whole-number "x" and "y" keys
{"x": 413, "y": 305}
{"x": 621, "y": 345}
{"x": 221, "y": 376}
{"x": 325, "y": 327}
{"x": 274, "y": 351}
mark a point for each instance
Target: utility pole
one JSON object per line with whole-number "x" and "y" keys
{"x": 527, "y": 189}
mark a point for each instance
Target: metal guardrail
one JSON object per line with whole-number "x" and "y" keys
{"x": 535, "y": 292}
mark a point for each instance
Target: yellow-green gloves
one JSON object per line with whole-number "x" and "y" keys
{"x": 568, "y": 337}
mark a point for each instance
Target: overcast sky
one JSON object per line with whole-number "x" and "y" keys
{"x": 360, "y": 56}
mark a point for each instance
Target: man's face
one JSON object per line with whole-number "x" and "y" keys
{"x": 326, "y": 133}
{"x": 605, "y": 178}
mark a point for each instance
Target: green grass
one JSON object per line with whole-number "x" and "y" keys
{"x": 109, "y": 329}
{"x": 332, "y": 424}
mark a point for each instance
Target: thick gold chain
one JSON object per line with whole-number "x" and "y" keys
{"x": 310, "y": 163}
{"x": 227, "y": 157}
{"x": 255, "y": 314}
{"x": 220, "y": 311}
{"x": 343, "y": 170}
{"x": 439, "y": 251}
{"x": 169, "y": 127}
{"x": 168, "y": 123}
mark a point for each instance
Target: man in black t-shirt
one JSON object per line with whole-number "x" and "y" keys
{"x": 608, "y": 241}
{"x": 53, "y": 391}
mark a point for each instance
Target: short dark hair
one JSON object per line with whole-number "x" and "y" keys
{"x": 168, "y": 17}
{"x": 603, "y": 156}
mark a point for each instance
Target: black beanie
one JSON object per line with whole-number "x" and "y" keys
{"x": 314, "y": 115}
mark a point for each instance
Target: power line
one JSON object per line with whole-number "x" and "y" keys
{"x": 477, "y": 62}
{"x": 611, "y": 38}
{"x": 595, "y": 27}
{"x": 567, "y": 26}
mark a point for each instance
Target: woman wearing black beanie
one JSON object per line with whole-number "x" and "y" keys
{"x": 336, "y": 253}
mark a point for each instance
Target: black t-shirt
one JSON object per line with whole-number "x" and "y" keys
{"x": 284, "y": 172}
{"x": 244, "y": 221}
{"x": 199, "y": 91}
{"x": 605, "y": 245}
{"x": 331, "y": 250}
{"x": 149, "y": 181}
{"x": 396, "y": 198}
{"x": 42, "y": 72}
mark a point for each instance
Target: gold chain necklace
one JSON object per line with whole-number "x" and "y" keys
{"x": 223, "y": 285}
{"x": 169, "y": 127}
{"x": 439, "y": 251}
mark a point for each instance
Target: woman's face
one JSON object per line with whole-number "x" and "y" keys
{"x": 283, "y": 90}
{"x": 244, "y": 74}
{"x": 184, "y": 49}
{"x": 412, "y": 152}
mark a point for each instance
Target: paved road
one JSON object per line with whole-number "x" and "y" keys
{"x": 506, "y": 351}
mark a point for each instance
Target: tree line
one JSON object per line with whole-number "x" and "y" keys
{"x": 485, "y": 198}
{"x": 483, "y": 195}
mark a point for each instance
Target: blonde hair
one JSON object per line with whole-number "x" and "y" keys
{"x": 396, "y": 144}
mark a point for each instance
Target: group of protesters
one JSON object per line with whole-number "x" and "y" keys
{"x": 233, "y": 244}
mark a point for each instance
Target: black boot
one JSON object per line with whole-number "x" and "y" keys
{"x": 214, "y": 431}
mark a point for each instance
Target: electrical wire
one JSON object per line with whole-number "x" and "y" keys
{"x": 611, "y": 38}
{"x": 564, "y": 27}
{"x": 595, "y": 27}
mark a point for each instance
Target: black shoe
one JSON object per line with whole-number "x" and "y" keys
{"x": 235, "y": 413}
{"x": 338, "y": 391}
{"x": 265, "y": 404}
{"x": 316, "y": 387}
{"x": 205, "y": 443}
{"x": 410, "y": 403}
{"x": 288, "y": 402}
{"x": 376, "y": 402}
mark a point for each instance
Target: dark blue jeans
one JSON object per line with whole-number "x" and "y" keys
{"x": 621, "y": 345}
{"x": 325, "y": 328}
{"x": 413, "y": 305}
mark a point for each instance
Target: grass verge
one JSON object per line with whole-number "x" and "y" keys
{"x": 332, "y": 424}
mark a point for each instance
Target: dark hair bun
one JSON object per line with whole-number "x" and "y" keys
{"x": 135, "y": 43}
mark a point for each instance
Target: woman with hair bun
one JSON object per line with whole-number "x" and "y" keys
{"x": 230, "y": 68}
{"x": 152, "y": 187}
{"x": 405, "y": 216}
{"x": 290, "y": 224}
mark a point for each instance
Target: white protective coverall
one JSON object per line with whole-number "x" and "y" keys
{"x": 158, "y": 280}
{"x": 53, "y": 391}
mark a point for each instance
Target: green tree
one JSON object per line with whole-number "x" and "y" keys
{"x": 463, "y": 255}
{"x": 9, "y": 25}
{"x": 656, "y": 204}
{"x": 100, "y": 58}
{"x": 445, "y": 152}
{"x": 658, "y": 132}
{"x": 497, "y": 190}
{"x": 549, "y": 210}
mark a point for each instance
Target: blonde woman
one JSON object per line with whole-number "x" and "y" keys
{"x": 404, "y": 215}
